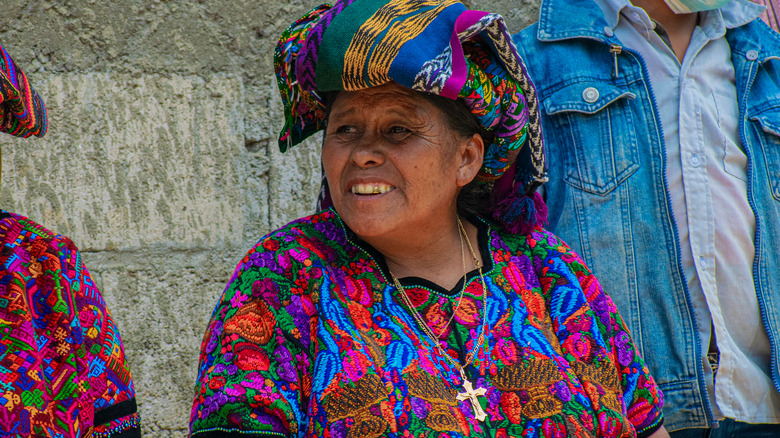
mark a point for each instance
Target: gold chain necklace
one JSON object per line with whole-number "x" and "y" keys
{"x": 461, "y": 233}
{"x": 469, "y": 393}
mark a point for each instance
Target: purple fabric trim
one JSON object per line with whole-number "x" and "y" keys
{"x": 459, "y": 72}
{"x": 460, "y": 69}
{"x": 467, "y": 19}
{"x": 504, "y": 186}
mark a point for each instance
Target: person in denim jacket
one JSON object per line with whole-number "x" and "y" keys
{"x": 662, "y": 126}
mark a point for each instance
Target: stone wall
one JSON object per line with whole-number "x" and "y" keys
{"x": 160, "y": 161}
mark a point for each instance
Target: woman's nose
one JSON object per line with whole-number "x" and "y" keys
{"x": 368, "y": 153}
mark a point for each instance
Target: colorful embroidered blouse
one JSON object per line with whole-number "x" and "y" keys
{"x": 311, "y": 339}
{"x": 62, "y": 366}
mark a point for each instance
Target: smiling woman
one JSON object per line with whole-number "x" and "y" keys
{"x": 401, "y": 309}
{"x": 394, "y": 170}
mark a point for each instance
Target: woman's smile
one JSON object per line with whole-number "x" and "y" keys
{"x": 371, "y": 189}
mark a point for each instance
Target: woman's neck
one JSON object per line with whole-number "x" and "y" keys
{"x": 436, "y": 256}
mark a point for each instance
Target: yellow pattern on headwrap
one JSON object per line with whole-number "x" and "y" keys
{"x": 399, "y": 33}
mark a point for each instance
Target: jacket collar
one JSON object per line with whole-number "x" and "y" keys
{"x": 565, "y": 19}
{"x": 740, "y": 12}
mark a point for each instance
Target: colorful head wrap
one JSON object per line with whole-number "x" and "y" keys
{"x": 22, "y": 112}
{"x": 432, "y": 46}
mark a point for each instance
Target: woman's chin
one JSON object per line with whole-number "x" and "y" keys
{"x": 369, "y": 215}
{"x": 371, "y": 223}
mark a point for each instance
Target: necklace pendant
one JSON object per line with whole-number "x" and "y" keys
{"x": 471, "y": 394}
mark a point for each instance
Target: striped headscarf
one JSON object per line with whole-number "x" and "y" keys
{"x": 22, "y": 112}
{"x": 432, "y": 46}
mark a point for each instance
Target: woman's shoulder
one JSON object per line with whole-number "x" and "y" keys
{"x": 539, "y": 241}
{"x": 319, "y": 239}
{"x": 27, "y": 240}
{"x": 547, "y": 252}
{"x": 16, "y": 227}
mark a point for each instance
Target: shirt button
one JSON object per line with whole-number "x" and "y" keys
{"x": 703, "y": 262}
{"x": 751, "y": 55}
{"x": 608, "y": 31}
{"x": 590, "y": 95}
{"x": 695, "y": 160}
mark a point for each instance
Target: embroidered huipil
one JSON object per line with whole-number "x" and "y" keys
{"x": 706, "y": 171}
{"x": 62, "y": 366}
{"x": 310, "y": 339}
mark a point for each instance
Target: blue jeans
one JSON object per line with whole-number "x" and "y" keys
{"x": 731, "y": 429}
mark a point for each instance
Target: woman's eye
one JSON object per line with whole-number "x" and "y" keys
{"x": 398, "y": 131}
{"x": 346, "y": 129}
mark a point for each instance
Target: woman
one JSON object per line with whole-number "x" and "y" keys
{"x": 62, "y": 366}
{"x": 410, "y": 307}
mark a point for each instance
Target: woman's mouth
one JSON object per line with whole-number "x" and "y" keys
{"x": 371, "y": 189}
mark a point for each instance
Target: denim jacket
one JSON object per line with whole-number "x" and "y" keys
{"x": 608, "y": 195}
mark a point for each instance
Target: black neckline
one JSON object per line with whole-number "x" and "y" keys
{"x": 483, "y": 243}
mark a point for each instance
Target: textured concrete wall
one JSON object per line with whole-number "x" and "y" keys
{"x": 160, "y": 161}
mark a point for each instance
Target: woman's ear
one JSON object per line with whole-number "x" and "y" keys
{"x": 472, "y": 153}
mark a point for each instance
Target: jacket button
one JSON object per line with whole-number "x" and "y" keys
{"x": 751, "y": 55}
{"x": 590, "y": 95}
{"x": 608, "y": 31}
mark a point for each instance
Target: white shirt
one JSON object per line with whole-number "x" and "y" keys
{"x": 706, "y": 174}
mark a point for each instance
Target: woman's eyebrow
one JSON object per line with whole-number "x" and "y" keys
{"x": 405, "y": 111}
{"x": 344, "y": 112}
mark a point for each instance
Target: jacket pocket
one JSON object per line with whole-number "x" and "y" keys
{"x": 593, "y": 125}
{"x": 768, "y": 133}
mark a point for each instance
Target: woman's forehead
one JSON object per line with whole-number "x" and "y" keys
{"x": 388, "y": 97}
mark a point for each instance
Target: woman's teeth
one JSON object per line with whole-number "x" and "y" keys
{"x": 371, "y": 189}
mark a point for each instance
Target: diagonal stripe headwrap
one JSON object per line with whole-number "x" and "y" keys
{"x": 432, "y": 46}
{"x": 22, "y": 112}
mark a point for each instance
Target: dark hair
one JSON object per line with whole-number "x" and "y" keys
{"x": 475, "y": 197}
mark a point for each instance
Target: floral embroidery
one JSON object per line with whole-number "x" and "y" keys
{"x": 310, "y": 339}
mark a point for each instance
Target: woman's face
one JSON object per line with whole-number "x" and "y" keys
{"x": 392, "y": 162}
